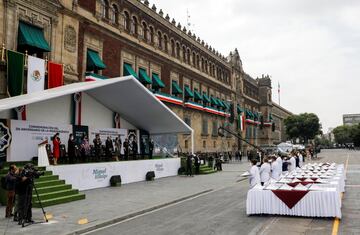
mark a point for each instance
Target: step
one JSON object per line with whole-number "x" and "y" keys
{"x": 59, "y": 200}
{"x": 5, "y": 171}
{"x": 207, "y": 172}
{"x": 55, "y": 194}
{"x": 48, "y": 189}
{"x": 47, "y": 178}
{"x": 49, "y": 183}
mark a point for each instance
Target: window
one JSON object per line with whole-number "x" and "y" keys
{"x": 186, "y": 144}
{"x": 151, "y": 30}
{"x": 198, "y": 61}
{"x": 160, "y": 40}
{"x": 127, "y": 21}
{"x": 172, "y": 44}
{"x": 114, "y": 14}
{"x": 214, "y": 144}
{"x": 193, "y": 58}
{"x": 204, "y": 126}
{"x": 204, "y": 144}
{"x": 184, "y": 53}
{"x": 177, "y": 50}
{"x": 188, "y": 54}
{"x": 135, "y": 25}
{"x": 145, "y": 31}
{"x": 105, "y": 9}
{"x": 166, "y": 41}
{"x": 215, "y": 129}
{"x": 187, "y": 120}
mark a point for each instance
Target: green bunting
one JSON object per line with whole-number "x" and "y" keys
{"x": 15, "y": 72}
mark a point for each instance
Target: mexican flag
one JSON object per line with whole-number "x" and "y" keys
{"x": 241, "y": 121}
{"x": 35, "y": 75}
{"x": 15, "y": 72}
{"x": 55, "y": 75}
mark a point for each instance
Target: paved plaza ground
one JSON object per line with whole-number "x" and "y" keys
{"x": 206, "y": 204}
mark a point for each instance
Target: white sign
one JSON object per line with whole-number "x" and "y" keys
{"x": 97, "y": 175}
{"x": 26, "y": 135}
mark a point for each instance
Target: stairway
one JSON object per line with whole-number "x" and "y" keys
{"x": 51, "y": 190}
{"x": 205, "y": 169}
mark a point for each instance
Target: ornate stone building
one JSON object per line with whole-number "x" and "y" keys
{"x": 112, "y": 38}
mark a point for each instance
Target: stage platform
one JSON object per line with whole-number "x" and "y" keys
{"x": 97, "y": 175}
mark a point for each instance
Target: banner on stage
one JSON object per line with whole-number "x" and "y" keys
{"x": 26, "y": 135}
{"x": 105, "y": 132}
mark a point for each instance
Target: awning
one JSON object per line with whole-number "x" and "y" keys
{"x": 249, "y": 114}
{"x": 143, "y": 110}
{"x": 239, "y": 109}
{"x": 256, "y": 116}
{"x": 188, "y": 92}
{"x": 206, "y": 98}
{"x": 128, "y": 70}
{"x": 156, "y": 82}
{"x": 197, "y": 96}
{"x": 143, "y": 77}
{"x": 220, "y": 103}
{"x": 214, "y": 101}
{"x": 227, "y": 105}
{"x": 32, "y": 36}
{"x": 94, "y": 61}
{"x": 175, "y": 88}
{"x": 270, "y": 117}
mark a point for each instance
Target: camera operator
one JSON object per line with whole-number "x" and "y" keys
{"x": 25, "y": 184}
{"x": 10, "y": 187}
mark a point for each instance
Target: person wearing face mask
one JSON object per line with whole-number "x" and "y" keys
{"x": 254, "y": 177}
{"x": 71, "y": 148}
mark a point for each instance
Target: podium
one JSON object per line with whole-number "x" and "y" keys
{"x": 43, "y": 158}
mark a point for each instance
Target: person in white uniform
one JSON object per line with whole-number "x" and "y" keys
{"x": 275, "y": 169}
{"x": 292, "y": 165}
{"x": 301, "y": 159}
{"x": 254, "y": 177}
{"x": 280, "y": 163}
{"x": 265, "y": 171}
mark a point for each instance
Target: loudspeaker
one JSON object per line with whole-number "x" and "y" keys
{"x": 150, "y": 175}
{"x": 115, "y": 180}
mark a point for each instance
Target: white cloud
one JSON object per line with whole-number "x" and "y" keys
{"x": 310, "y": 46}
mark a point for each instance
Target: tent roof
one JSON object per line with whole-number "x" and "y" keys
{"x": 124, "y": 95}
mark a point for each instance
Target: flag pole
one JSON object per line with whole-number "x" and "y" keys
{"x": 279, "y": 92}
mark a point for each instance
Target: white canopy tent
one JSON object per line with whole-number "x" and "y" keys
{"x": 125, "y": 95}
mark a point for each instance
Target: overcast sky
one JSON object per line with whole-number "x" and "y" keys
{"x": 311, "y": 47}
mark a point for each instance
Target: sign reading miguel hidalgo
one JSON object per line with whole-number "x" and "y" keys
{"x": 5, "y": 139}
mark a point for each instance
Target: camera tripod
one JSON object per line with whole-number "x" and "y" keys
{"x": 28, "y": 198}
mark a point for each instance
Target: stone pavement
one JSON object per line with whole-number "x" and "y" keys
{"x": 108, "y": 205}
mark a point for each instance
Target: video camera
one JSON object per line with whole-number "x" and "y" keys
{"x": 30, "y": 172}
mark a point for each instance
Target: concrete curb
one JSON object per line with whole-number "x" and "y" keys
{"x": 134, "y": 214}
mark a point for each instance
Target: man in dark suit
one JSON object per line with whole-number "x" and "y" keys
{"x": 134, "y": 148}
{"x": 151, "y": 148}
{"x": 97, "y": 146}
{"x": 126, "y": 149}
{"x": 109, "y": 148}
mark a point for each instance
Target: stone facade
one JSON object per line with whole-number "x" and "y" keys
{"x": 132, "y": 32}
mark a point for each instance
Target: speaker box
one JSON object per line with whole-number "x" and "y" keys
{"x": 150, "y": 175}
{"x": 115, "y": 180}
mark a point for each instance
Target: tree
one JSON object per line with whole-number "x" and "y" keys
{"x": 304, "y": 126}
{"x": 342, "y": 134}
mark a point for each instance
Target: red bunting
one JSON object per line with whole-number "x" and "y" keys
{"x": 55, "y": 75}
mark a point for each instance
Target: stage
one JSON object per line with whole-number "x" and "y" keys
{"x": 97, "y": 175}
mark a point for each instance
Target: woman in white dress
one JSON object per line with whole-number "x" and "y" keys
{"x": 254, "y": 177}
{"x": 265, "y": 171}
{"x": 301, "y": 159}
{"x": 292, "y": 161}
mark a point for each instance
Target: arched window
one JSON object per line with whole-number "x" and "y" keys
{"x": 206, "y": 66}
{"x": 172, "y": 44}
{"x": 188, "y": 54}
{"x": 178, "y": 50}
{"x": 160, "y": 40}
{"x": 104, "y": 9}
{"x": 151, "y": 30}
{"x": 198, "y": 61}
{"x": 145, "y": 31}
{"x": 184, "y": 53}
{"x": 166, "y": 41}
{"x": 114, "y": 14}
{"x": 127, "y": 24}
{"x": 135, "y": 25}
{"x": 202, "y": 64}
{"x": 193, "y": 58}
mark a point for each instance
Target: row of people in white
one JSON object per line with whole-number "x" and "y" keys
{"x": 272, "y": 170}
